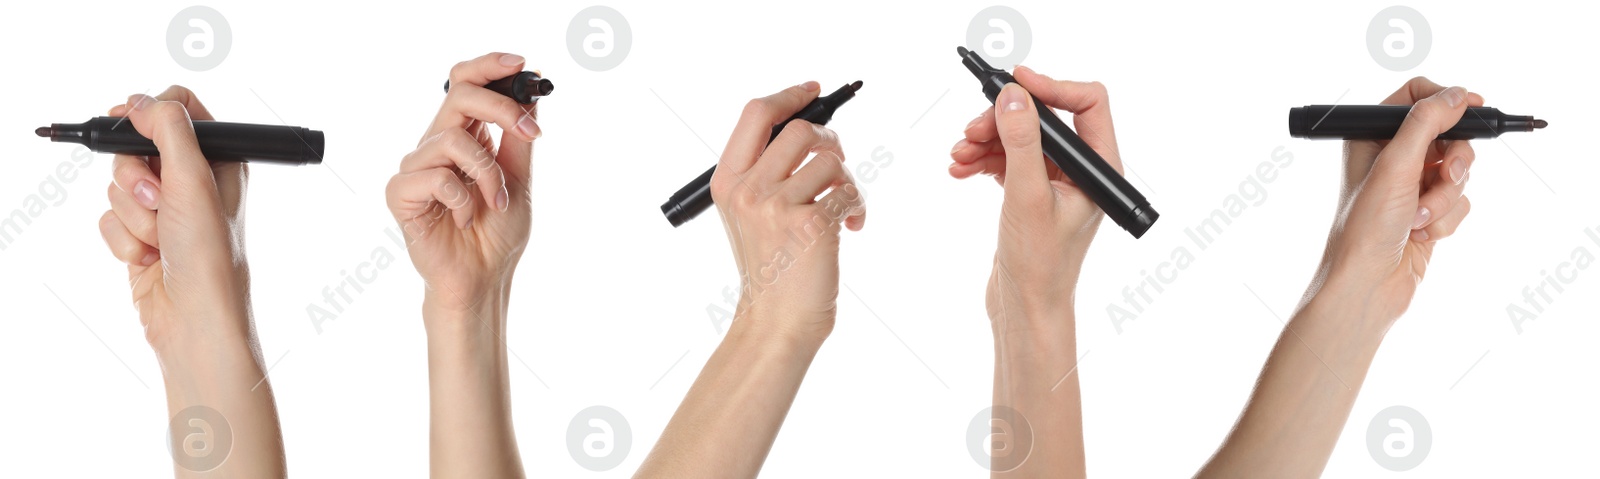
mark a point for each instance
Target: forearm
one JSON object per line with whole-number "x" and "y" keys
{"x": 1036, "y": 386}
{"x": 471, "y": 433}
{"x": 1306, "y": 390}
{"x": 731, "y": 415}
{"x": 219, "y": 403}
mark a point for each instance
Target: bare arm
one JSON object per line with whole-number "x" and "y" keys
{"x": 1400, "y": 198}
{"x": 783, "y": 221}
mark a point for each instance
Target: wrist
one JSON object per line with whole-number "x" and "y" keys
{"x": 1031, "y": 314}
{"x": 447, "y": 313}
{"x": 1047, "y": 335}
{"x": 209, "y": 359}
{"x": 179, "y": 342}
{"x": 1353, "y": 305}
{"x": 799, "y": 334}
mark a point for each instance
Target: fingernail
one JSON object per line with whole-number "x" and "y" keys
{"x": 1422, "y": 217}
{"x": 960, "y": 145}
{"x": 1452, "y": 96}
{"x": 1419, "y": 235}
{"x": 501, "y": 199}
{"x": 468, "y": 225}
{"x": 1458, "y": 170}
{"x": 810, "y": 86}
{"x": 1012, "y": 97}
{"x": 511, "y": 59}
{"x": 145, "y": 194}
{"x": 149, "y": 258}
{"x": 528, "y": 127}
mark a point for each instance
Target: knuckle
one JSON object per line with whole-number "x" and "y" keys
{"x": 179, "y": 91}
{"x": 1099, "y": 90}
{"x": 391, "y": 189}
{"x": 832, "y": 166}
{"x": 802, "y": 131}
{"x": 449, "y": 188}
{"x": 825, "y": 136}
{"x": 754, "y": 109}
{"x": 108, "y": 220}
{"x": 169, "y": 112}
{"x": 510, "y": 108}
{"x": 459, "y": 70}
{"x": 1424, "y": 111}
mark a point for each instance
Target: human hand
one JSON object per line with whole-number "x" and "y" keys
{"x": 785, "y": 239}
{"x": 462, "y": 203}
{"x": 177, "y": 221}
{"x": 1046, "y": 222}
{"x": 1400, "y": 197}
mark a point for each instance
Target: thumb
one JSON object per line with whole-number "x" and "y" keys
{"x": 1017, "y": 119}
{"x": 1400, "y": 164}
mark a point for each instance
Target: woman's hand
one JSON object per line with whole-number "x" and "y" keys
{"x": 785, "y": 239}
{"x": 178, "y": 222}
{"x": 462, "y": 202}
{"x": 1046, "y": 223}
{"x": 1400, "y": 197}
{"x": 464, "y": 205}
{"x": 786, "y": 243}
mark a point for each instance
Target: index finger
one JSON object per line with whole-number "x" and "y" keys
{"x": 1089, "y": 103}
{"x": 1400, "y": 164}
{"x": 755, "y": 124}
{"x": 1419, "y": 88}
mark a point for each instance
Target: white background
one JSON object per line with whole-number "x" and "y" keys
{"x": 610, "y": 302}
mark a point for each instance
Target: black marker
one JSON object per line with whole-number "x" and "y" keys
{"x": 1093, "y": 175}
{"x": 525, "y": 87}
{"x": 1381, "y": 122}
{"x": 695, "y": 197}
{"x": 219, "y": 141}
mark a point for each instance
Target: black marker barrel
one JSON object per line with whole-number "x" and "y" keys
{"x": 1109, "y": 190}
{"x": 1381, "y": 122}
{"x": 219, "y": 141}
{"x": 525, "y": 87}
{"x": 695, "y": 197}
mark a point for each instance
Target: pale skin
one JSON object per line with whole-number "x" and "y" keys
{"x": 1046, "y": 225}
{"x": 1399, "y": 199}
{"x": 462, "y": 201}
{"x": 730, "y": 418}
{"x": 177, "y": 222}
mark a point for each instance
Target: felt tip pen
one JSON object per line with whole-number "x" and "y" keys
{"x": 219, "y": 141}
{"x": 1098, "y": 180}
{"x": 695, "y": 197}
{"x": 525, "y": 88}
{"x": 1381, "y": 122}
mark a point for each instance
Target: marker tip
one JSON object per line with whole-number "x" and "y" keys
{"x": 43, "y": 131}
{"x": 961, "y": 50}
{"x": 1537, "y": 124}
